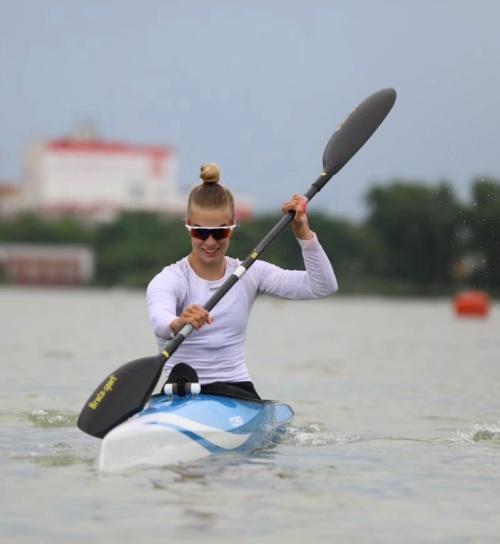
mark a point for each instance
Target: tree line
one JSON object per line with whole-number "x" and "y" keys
{"x": 416, "y": 239}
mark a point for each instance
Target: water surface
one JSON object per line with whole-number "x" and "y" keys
{"x": 396, "y": 436}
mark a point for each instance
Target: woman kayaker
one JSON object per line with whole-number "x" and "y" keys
{"x": 216, "y": 349}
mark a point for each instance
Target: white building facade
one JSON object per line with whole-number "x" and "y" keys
{"x": 97, "y": 179}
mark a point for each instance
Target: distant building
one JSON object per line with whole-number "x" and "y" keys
{"x": 40, "y": 264}
{"x": 94, "y": 180}
{"x": 8, "y": 195}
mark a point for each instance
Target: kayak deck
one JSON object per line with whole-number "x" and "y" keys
{"x": 173, "y": 430}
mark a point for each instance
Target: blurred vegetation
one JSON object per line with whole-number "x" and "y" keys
{"x": 417, "y": 239}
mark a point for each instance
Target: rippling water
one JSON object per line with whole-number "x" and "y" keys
{"x": 396, "y": 436}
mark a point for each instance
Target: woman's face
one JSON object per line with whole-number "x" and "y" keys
{"x": 209, "y": 252}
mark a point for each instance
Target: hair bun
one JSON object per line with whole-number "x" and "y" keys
{"x": 210, "y": 173}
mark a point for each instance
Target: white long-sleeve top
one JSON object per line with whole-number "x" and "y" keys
{"x": 217, "y": 351}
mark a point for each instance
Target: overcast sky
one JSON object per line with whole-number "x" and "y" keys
{"x": 259, "y": 86}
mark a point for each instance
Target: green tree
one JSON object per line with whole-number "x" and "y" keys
{"x": 131, "y": 250}
{"x": 32, "y": 229}
{"x": 483, "y": 222}
{"x": 417, "y": 229}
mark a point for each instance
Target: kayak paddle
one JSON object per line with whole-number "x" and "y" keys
{"x": 126, "y": 390}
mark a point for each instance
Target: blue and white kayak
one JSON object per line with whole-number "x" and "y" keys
{"x": 172, "y": 430}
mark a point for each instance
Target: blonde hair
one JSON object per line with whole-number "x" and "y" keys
{"x": 209, "y": 193}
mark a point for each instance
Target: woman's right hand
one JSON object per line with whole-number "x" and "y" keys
{"x": 194, "y": 315}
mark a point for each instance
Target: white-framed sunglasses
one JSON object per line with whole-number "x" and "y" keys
{"x": 217, "y": 233}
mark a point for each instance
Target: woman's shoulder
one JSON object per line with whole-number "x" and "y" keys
{"x": 175, "y": 271}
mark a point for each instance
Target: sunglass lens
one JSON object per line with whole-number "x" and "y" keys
{"x": 216, "y": 233}
{"x": 220, "y": 234}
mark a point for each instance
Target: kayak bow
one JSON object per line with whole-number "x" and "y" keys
{"x": 172, "y": 430}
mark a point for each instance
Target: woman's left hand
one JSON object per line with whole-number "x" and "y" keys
{"x": 300, "y": 224}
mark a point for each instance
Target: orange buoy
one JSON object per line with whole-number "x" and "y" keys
{"x": 472, "y": 304}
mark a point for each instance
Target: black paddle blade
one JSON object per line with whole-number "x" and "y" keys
{"x": 356, "y": 129}
{"x": 121, "y": 395}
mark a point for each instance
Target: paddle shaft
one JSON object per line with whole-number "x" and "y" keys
{"x": 172, "y": 346}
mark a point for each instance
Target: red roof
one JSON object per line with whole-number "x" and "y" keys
{"x": 8, "y": 189}
{"x": 97, "y": 146}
